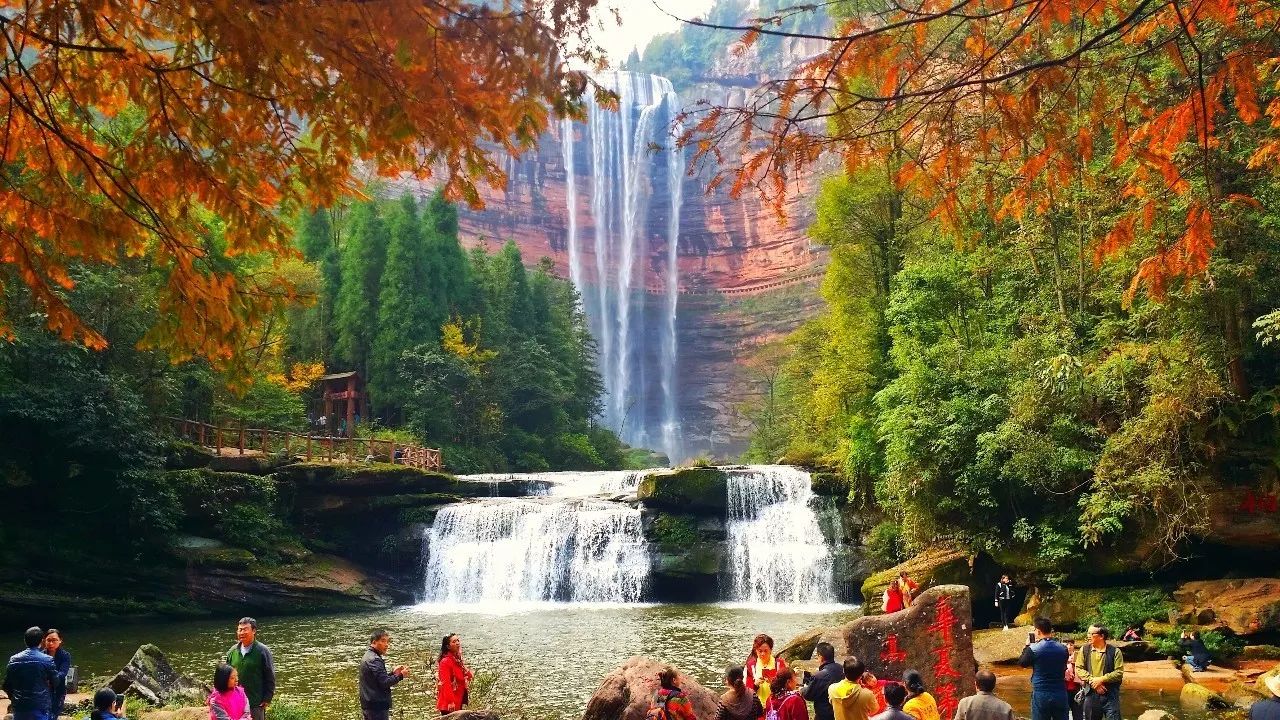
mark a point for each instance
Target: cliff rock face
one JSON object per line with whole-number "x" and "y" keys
{"x": 730, "y": 252}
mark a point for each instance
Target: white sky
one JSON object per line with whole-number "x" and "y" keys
{"x": 641, "y": 20}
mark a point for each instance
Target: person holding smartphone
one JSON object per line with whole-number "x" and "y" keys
{"x": 1047, "y": 659}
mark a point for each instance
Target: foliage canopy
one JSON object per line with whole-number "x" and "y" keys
{"x": 126, "y": 123}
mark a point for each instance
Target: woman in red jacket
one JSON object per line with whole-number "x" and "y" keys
{"x": 900, "y": 593}
{"x": 451, "y": 692}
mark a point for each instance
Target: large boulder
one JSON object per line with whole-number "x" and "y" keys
{"x": 801, "y": 647}
{"x": 1244, "y": 696}
{"x": 933, "y": 636}
{"x": 149, "y": 676}
{"x": 625, "y": 693}
{"x": 1198, "y": 697}
{"x": 936, "y": 566}
{"x": 1260, "y": 652}
{"x": 1247, "y": 606}
{"x": 322, "y": 583}
{"x": 1000, "y": 647}
{"x": 698, "y": 490}
{"x": 1238, "y": 518}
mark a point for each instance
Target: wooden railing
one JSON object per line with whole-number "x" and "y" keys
{"x": 315, "y": 448}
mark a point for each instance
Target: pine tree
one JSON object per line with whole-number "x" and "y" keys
{"x": 317, "y": 239}
{"x": 363, "y": 259}
{"x": 516, "y": 289}
{"x": 410, "y": 309}
{"x": 451, "y": 285}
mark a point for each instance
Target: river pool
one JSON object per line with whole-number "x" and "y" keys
{"x": 549, "y": 659}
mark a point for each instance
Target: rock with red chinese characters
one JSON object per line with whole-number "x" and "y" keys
{"x": 934, "y": 636}
{"x": 1247, "y": 606}
{"x": 1243, "y": 518}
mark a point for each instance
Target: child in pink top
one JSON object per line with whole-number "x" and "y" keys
{"x": 228, "y": 700}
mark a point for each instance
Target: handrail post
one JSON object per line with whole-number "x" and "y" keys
{"x": 308, "y": 447}
{"x": 287, "y": 444}
{"x": 265, "y": 451}
{"x": 241, "y": 438}
{"x": 217, "y": 434}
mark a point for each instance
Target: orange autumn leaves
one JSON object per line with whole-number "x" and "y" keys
{"x": 1003, "y": 106}
{"x": 183, "y": 133}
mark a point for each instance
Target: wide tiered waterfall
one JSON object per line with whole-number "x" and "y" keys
{"x": 526, "y": 550}
{"x": 777, "y": 549}
{"x": 560, "y": 545}
{"x": 582, "y": 537}
{"x": 636, "y": 177}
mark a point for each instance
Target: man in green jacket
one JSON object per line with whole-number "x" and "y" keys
{"x": 1101, "y": 666}
{"x": 254, "y": 666}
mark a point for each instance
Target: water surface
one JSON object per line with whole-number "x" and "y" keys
{"x": 549, "y": 658}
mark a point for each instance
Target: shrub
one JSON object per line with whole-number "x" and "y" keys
{"x": 288, "y": 710}
{"x": 1222, "y": 645}
{"x": 674, "y": 532}
{"x": 1121, "y": 609}
{"x": 885, "y": 545}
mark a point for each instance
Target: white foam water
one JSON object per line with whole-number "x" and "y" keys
{"x": 777, "y": 552}
{"x": 522, "y": 550}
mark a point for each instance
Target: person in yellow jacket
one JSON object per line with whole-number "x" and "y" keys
{"x": 920, "y": 704}
{"x": 849, "y": 699}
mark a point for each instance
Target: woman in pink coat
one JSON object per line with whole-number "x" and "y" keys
{"x": 228, "y": 700}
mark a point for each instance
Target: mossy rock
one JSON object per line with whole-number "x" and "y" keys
{"x": 233, "y": 461}
{"x": 690, "y": 490}
{"x": 701, "y": 560}
{"x": 937, "y": 566}
{"x": 221, "y": 556}
{"x": 802, "y": 646}
{"x": 1198, "y": 697}
{"x": 338, "y": 506}
{"x": 182, "y": 455}
{"x": 830, "y": 484}
{"x": 672, "y": 532}
{"x": 1260, "y": 652}
{"x": 372, "y": 479}
{"x": 1076, "y": 607}
{"x": 1243, "y": 696}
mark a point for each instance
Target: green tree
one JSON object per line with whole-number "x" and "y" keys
{"x": 409, "y": 312}
{"x": 363, "y": 259}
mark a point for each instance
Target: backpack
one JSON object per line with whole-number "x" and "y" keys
{"x": 771, "y": 713}
{"x": 658, "y": 711}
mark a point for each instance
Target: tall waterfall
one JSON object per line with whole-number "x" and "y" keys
{"x": 777, "y": 549}
{"x": 632, "y": 156}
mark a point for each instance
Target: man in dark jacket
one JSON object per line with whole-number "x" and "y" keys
{"x": 829, "y": 672}
{"x": 1047, "y": 659}
{"x": 254, "y": 666}
{"x": 29, "y": 680}
{"x": 375, "y": 681}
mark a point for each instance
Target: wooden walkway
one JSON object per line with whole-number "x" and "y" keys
{"x": 315, "y": 448}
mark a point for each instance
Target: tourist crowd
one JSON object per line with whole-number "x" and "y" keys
{"x": 1066, "y": 683}
{"x": 244, "y": 681}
